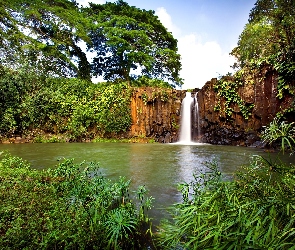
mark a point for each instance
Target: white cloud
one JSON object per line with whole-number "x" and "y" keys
{"x": 200, "y": 61}
{"x": 166, "y": 20}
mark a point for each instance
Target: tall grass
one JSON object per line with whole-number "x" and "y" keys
{"x": 70, "y": 207}
{"x": 281, "y": 132}
{"x": 255, "y": 211}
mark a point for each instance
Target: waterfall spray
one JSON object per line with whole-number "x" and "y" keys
{"x": 186, "y": 125}
{"x": 197, "y": 118}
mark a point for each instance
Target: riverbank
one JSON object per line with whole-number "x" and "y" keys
{"x": 38, "y": 136}
{"x": 66, "y": 201}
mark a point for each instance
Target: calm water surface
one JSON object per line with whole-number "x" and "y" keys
{"x": 157, "y": 166}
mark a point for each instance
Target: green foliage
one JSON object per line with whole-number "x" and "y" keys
{"x": 286, "y": 70}
{"x": 49, "y": 139}
{"x": 113, "y": 108}
{"x": 71, "y": 206}
{"x": 138, "y": 139}
{"x": 254, "y": 43}
{"x": 144, "y": 81}
{"x": 50, "y": 43}
{"x": 227, "y": 88}
{"x": 15, "y": 86}
{"x": 127, "y": 39}
{"x": 51, "y": 36}
{"x": 174, "y": 124}
{"x": 144, "y": 98}
{"x": 255, "y": 211}
{"x": 280, "y": 131}
{"x": 287, "y": 111}
{"x": 155, "y": 94}
{"x": 58, "y": 105}
{"x": 269, "y": 39}
{"x": 164, "y": 96}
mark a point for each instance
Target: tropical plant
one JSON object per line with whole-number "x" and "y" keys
{"x": 126, "y": 39}
{"x": 70, "y": 206}
{"x": 255, "y": 211}
{"x": 280, "y": 131}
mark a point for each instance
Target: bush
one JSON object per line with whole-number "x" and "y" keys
{"x": 255, "y": 211}
{"x": 75, "y": 107}
{"x": 71, "y": 206}
{"x": 281, "y": 132}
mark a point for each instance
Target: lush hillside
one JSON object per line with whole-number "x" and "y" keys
{"x": 45, "y": 75}
{"x": 267, "y": 43}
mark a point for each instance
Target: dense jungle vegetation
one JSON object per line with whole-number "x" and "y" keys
{"x": 69, "y": 207}
{"x": 267, "y": 43}
{"x": 45, "y": 74}
{"x": 45, "y": 84}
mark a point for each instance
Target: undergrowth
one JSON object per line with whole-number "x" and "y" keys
{"x": 70, "y": 207}
{"x": 255, "y": 211}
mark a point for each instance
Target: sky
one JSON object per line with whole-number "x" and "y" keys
{"x": 206, "y": 30}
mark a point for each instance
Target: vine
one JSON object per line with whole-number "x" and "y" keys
{"x": 227, "y": 88}
{"x": 145, "y": 98}
{"x": 286, "y": 74}
{"x": 163, "y": 95}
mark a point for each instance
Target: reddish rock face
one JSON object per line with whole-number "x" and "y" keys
{"x": 156, "y": 113}
{"x": 218, "y": 128}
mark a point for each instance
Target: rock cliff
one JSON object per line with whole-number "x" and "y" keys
{"x": 156, "y": 113}
{"x": 219, "y": 128}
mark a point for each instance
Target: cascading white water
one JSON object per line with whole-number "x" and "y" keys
{"x": 186, "y": 125}
{"x": 197, "y": 117}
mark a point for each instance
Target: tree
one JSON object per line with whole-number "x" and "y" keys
{"x": 50, "y": 33}
{"x": 280, "y": 15}
{"x": 11, "y": 39}
{"x": 47, "y": 35}
{"x": 126, "y": 39}
{"x": 269, "y": 37}
{"x": 270, "y": 30}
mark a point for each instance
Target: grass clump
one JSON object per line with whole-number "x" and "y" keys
{"x": 70, "y": 207}
{"x": 255, "y": 211}
{"x": 282, "y": 133}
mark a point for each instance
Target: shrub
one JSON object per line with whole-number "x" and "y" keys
{"x": 255, "y": 211}
{"x": 71, "y": 206}
{"x": 281, "y": 132}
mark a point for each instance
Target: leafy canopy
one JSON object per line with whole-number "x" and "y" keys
{"x": 52, "y": 37}
{"x": 270, "y": 30}
{"x": 269, "y": 38}
{"x": 129, "y": 42}
{"x": 46, "y": 35}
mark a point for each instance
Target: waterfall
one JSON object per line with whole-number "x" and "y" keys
{"x": 197, "y": 127}
{"x": 186, "y": 125}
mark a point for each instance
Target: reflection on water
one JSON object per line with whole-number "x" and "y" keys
{"x": 157, "y": 166}
{"x": 191, "y": 160}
